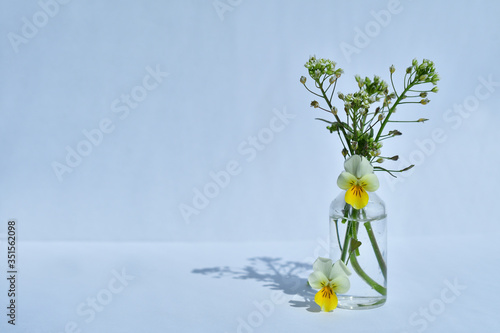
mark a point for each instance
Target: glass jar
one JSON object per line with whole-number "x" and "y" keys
{"x": 359, "y": 238}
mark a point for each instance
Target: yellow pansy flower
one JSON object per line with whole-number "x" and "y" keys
{"x": 330, "y": 279}
{"x": 358, "y": 179}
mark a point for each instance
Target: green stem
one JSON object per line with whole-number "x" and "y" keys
{"x": 346, "y": 243}
{"x": 376, "y": 249}
{"x": 334, "y": 86}
{"x": 341, "y": 127}
{"x": 352, "y": 217}
{"x": 392, "y": 83}
{"x": 338, "y": 238}
{"x": 405, "y": 121}
{"x": 355, "y": 236}
{"x": 312, "y": 92}
{"x": 355, "y": 265}
{"x": 391, "y": 111}
{"x": 347, "y": 237}
{"x": 351, "y": 233}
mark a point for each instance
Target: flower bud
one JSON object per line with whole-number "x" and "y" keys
{"x": 423, "y": 77}
{"x": 423, "y": 94}
{"x": 341, "y": 96}
{"x": 392, "y": 69}
{"x": 381, "y": 117}
{"x": 303, "y": 79}
{"x": 354, "y": 145}
{"x": 435, "y": 79}
{"x": 421, "y": 120}
{"x": 315, "y": 104}
{"x": 408, "y": 167}
{"x": 408, "y": 70}
{"x": 395, "y": 132}
{"x": 380, "y": 160}
{"x": 435, "y": 89}
{"x": 332, "y": 79}
{"x": 424, "y": 101}
{"x": 344, "y": 152}
{"x": 334, "y": 111}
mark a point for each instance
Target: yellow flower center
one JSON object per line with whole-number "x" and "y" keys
{"x": 326, "y": 292}
{"x": 357, "y": 189}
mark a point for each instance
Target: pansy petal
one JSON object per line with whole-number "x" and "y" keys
{"x": 346, "y": 180}
{"x": 340, "y": 284}
{"x": 357, "y": 197}
{"x": 369, "y": 182}
{"x": 364, "y": 167}
{"x": 317, "y": 280}
{"x": 323, "y": 265}
{"x": 352, "y": 163}
{"x": 326, "y": 299}
{"x": 339, "y": 268}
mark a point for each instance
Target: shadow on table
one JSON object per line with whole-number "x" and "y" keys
{"x": 275, "y": 274}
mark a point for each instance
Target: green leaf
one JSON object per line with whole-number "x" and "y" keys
{"x": 355, "y": 244}
{"x": 326, "y": 121}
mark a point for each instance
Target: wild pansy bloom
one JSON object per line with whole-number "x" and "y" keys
{"x": 358, "y": 179}
{"x": 330, "y": 279}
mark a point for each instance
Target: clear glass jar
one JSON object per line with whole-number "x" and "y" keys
{"x": 359, "y": 238}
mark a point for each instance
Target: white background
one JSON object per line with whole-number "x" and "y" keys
{"x": 231, "y": 69}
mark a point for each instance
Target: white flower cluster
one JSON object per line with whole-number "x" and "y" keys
{"x": 320, "y": 67}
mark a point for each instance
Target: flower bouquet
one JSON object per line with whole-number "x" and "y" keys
{"x": 358, "y": 219}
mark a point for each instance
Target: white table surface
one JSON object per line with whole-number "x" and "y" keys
{"x": 247, "y": 287}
